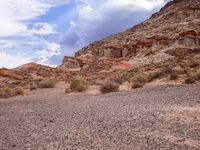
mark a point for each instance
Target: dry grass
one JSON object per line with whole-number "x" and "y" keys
{"x": 197, "y": 75}
{"x": 109, "y": 86}
{"x": 19, "y": 91}
{"x": 7, "y": 92}
{"x": 194, "y": 64}
{"x": 137, "y": 85}
{"x": 78, "y": 85}
{"x": 47, "y": 83}
{"x": 142, "y": 78}
{"x": 189, "y": 80}
{"x": 167, "y": 69}
{"x": 67, "y": 90}
{"x": 33, "y": 86}
{"x": 153, "y": 75}
{"x": 173, "y": 76}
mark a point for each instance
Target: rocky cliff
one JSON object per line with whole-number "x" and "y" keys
{"x": 173, "y": 31}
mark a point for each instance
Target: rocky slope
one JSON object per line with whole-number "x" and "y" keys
{"x": 172, "y": 32}
{"x": 34, "y": 71}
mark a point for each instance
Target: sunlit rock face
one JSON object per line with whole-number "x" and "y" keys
{"x": 70, "y": 63}
{"x": 174, "y": 30}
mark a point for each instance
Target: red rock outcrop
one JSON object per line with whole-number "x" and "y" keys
{"x": 176, "y": 24}
{"x": 10, "y": 74}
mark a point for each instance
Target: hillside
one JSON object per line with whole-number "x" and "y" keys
{"x": 173, "y": 31}
{"x": 165, "y": 49}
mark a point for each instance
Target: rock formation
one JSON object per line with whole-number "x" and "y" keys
{"x": 10, "y": 74}
{"x": 176, "y": 27}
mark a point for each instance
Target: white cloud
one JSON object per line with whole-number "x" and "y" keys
{"x": 86, "y": 13}
{"x": 12, "y": 61}
{"x": 41, "y": 28}
{"x": 50, "y": 50}
{"x": 16, "y": 14}
{"x": 97, "y": 19}
{"x": 134, "y": 4}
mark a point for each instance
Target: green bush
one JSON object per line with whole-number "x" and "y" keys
{"x": 109, "y": 86}
{"x": 47, "y": 83}
{"x": 78, "y": 85}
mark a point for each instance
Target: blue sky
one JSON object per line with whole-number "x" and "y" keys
{"x": 43, "y": 31}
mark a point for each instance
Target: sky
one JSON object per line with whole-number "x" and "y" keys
{"x": 43, "y": 31}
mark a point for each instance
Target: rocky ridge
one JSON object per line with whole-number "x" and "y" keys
{"x": 173, "y": 31}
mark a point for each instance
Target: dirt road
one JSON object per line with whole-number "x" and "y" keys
{"x": 161, "y": 117}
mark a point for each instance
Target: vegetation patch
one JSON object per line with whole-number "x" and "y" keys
{"x": 78, "y": 85}
{"x": 153, "y": 75}
{"x": 189, "y": 80}
{"x": 194, "y": 64}
{"x": 173, "y": 76}
{"x": 67, "y": 90}
{"x": 197, "y": 76}
{"x": 142, "y": 78}
{"x": 137, "y": 85}
{"x": 7, "y": 92}
{"x": 47, "y": 83}
{"x": 109, "y": 86}
{"x": 33, "y": 86}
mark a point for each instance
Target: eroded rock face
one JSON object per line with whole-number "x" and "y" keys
{"x": 10, "y": 74}
{"x": 176, "y": 26}
{"x": 70, "y": 63}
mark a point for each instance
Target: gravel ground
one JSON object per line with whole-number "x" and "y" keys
{"x": 152, "y": 118}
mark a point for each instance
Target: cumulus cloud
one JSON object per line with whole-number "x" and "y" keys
{"x": 22, "y": 32}
{"x": 41, "y": 28}
{"x": 97, "y": 19}
{"x": 48, "y": 51}
{"x": 12, "y": 61}
{"x": 15, "y": 15}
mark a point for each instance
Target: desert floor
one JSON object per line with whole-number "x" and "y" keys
{"x": 159, "y": 117}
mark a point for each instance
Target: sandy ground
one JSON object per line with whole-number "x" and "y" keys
{"x": 152, "y": 118}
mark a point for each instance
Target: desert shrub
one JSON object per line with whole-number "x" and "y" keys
{"x": 142, "y": 78}
{"x": 15, "y": 82}
{"x": 108, "y": 87}
{"x": 19, "y": 91}
{"x": 189, "y": 80}
{"x": 167, "y": 69}
{"x": 67, "y": 90}
{"x": 137, "y": 85}
{"x": 173, "y": 76}
{"x": 47, "y": 83}
{"x": 197, "y": 76}
{"x": 7, "y": 92}
{"x": 33, "y": 87}
{"x": 194, "y": 64}
{"x": 117, "y": 80}
{"x": 120, "y": 78}
{"x": 78, "y": 85}
{"x": 153, "y": 75}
